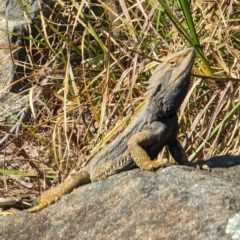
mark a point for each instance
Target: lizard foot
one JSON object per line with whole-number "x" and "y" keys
{"x": 201, "y": 164}
{"x": 151, "y": 165}
{"x": 43, "y": 202}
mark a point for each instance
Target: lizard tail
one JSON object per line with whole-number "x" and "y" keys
{"x": 53, "y": 194}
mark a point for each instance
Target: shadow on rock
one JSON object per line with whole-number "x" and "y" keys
{"x": 223, "y": 161}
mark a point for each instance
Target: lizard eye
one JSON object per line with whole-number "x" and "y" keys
{"x": 172, "y": 63}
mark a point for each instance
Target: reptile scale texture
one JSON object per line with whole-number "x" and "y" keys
{"x": 154, "y": 127}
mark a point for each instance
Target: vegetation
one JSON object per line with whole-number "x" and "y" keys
{"x": 97, "y": 59}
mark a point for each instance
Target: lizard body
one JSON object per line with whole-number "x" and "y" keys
{"x": 154, "y": 127}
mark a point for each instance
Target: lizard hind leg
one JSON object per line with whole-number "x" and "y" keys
{"x": 52, "y": 195}
{"x": 139, "y": 155}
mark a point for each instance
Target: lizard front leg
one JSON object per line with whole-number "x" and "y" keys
{"x": 139, "y": 155}
{"x": 53, "y": 194}
{"x": 178, "y": 153}
{"x": 180, "y": 156}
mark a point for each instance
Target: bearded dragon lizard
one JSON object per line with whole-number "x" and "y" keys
{"x": 154, "y": 127}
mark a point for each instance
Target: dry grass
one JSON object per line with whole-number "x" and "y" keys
{"x": 98, "y": 71}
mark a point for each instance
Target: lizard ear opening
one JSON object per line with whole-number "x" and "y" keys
{"x": 159, "y": 87}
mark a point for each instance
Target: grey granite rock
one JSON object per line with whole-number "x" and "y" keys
{"x": 10, "y": 104}
{"x": 173, "y": 203}
{"x": 15, "y": 18}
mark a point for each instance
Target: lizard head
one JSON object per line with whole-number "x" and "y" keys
{"x": 169, "y": 83}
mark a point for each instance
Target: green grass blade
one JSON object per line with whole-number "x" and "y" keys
{"x": 191, "y": 39}
{"x": 214, "y": 131}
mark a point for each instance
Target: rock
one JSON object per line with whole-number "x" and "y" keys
{"x": 11, "y": 104}
{"x": 177, "y": 202}
{"x": 15, "y": 18}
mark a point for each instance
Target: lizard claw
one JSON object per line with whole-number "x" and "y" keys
{"x": 151, "y": 165}
{"x": 163, "y": 162}
{"x": 201, "y": 164}
{"x": 43, "y": 203}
